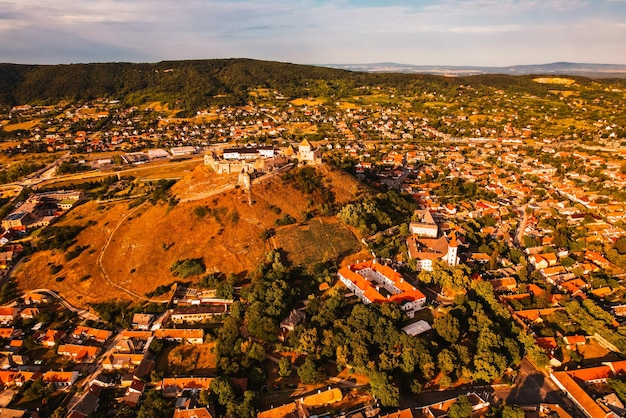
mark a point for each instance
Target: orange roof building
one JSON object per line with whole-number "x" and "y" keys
{"x": 373, "y": 282}
{"x": 99, "y": 335}
{"x": 300, "y": 408}
{"x": 576, "y": 393}
{"x": 323, "y": 398}
{"x": 427, "y": 250}
{"x": 61, "y": 379}
{"x": 193, "y": 413}
{"x": 79, "y": 352}
{"x": 190, "y": 336}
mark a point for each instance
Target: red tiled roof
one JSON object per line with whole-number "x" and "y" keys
{"x": 583, "y": 400}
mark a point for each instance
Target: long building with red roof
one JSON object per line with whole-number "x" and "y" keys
{"x": 373, "y": 282}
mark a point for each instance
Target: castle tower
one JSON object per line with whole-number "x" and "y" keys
{"x": 244, "y": 180}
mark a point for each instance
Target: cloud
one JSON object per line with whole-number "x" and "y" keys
{"x": 494, "y": 32}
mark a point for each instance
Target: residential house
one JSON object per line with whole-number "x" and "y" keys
{"x": 61, "y": 379}
{"x": 597, "y": 258}
{"x": 79, "y": 353}
{"x": 189, "y": 336}
{"x": 193, "y": 413}
{"x": 573, "y": 341}
{"x": 479, "y": 406}
{"x": 88, "y": 404}
{"x": 302, "y": 407}
{"x": 118, "y": 361}
{"x": 173, "y": 387}
{"x": 504, "y": 284}
{"x": 35, "y": 298}
{"x": 7, "y": 333}
{"x": 17, "y": 377}
{"x": 142, "y": 321}
{"x": 52, "y": 337}
{"x": 29, "y": 313}
{"x": 183, "y": 314}
{"x": 88, "y": 333}
{"x": 405, "y": 413}
{"x": 542, "y": 261}
{"x": 8, "y": 314}
{"x": 288, "y": 324}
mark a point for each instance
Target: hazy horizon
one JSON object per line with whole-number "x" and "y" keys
{"x": 442, "y": 33}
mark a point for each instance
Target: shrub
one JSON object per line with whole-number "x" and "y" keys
{"x": 188, "y": 267}
{"x": 201, "y": 211}
{"x": 285, "y": 220}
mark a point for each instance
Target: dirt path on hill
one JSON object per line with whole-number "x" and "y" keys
{"x": 101, "y": 256}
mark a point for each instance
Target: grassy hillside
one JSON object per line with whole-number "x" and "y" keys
{"x": 191, "y": 85}
{"x": 224, "y": 230}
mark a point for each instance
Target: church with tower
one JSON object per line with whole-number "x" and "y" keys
{"x": 428, "y": 244}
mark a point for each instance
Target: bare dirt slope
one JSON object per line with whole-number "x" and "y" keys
{"x": 226, "y": 234}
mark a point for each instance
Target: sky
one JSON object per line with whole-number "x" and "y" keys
{"x": 420, "y": 32}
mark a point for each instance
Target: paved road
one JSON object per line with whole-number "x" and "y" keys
{"x": 94, "y": 370}
{"x": 531, "y": 388}
{"x": 522, "y": 226}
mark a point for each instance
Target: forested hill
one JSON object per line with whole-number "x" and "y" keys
{"x": 196, "y": 84}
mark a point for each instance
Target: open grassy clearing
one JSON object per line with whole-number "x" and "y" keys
{"x": 302, "y": 128}
{"x": 320, "y": 240}
{"x": 554, "y": 80}
{"x": 307, "y": 102}
{"x": 187, "y": 360}
{"x": 164, "y": 170}
{"x": 259, "y": 93}
{"x": 478, "y": 118}
{"x": 21, "y": 125}
{"x": 153, "y": 171}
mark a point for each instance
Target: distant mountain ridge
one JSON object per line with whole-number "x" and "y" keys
{"x": 560, "y": 68}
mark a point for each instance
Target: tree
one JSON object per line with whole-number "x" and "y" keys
{"x": 154, "y": 406}
{"x": 222, "y": 388}
{"x": 188, "y": 267}
{"x": 308, "y": 372}
{"x": 156, "y": 346}
{"x": 284, "y": 367}
{"x": 60, "y": 412}
{"x": 381, "y": 388}
{"x": 529, "y": 242}
{"x": 447, "y": 327}
{"x": 446, "y": 361}
{"x": 203, "y": 397}
{"x": 462, "y": 408}
{"x": 445, "y": 381}
{"x": 512, "y": 411}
